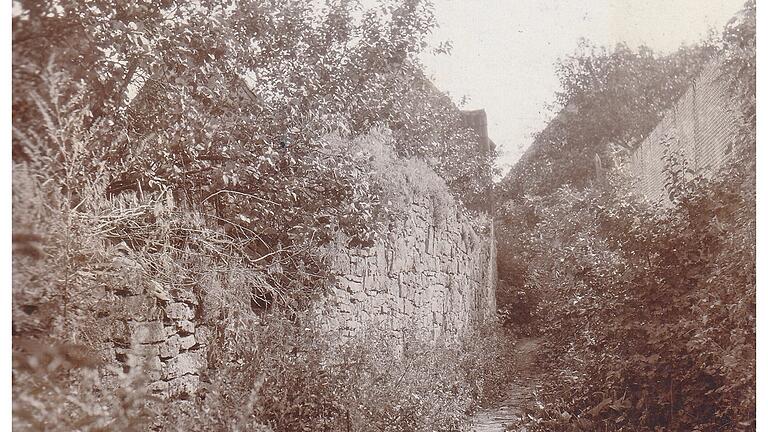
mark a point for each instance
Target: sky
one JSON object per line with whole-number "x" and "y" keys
{"x": 505, "y": 51}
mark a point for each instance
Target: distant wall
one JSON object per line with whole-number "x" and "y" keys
{"x": 432, "y": 274}
{"x": 700, "y": 126}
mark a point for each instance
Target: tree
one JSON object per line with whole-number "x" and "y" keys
{"x": 611, "y": 99}
{"x": 234, "y": 97}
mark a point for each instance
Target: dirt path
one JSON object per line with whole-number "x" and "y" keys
{"x": 520, "y": 392}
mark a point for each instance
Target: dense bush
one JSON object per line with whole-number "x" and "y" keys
{"x": 65, "y": 389}
{"x": 653, "y": 310}
{"x": 227, "y": 110}
{"x": 611, "y": 98}
{"x": 290, "y": 378}
{"x": 225, "y": 105}
{"x": 650, "y": 309}
{"x": 80, "y": 247}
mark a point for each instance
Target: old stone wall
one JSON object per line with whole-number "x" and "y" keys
{"x": 700, "y": 128}
{"x": 432, "y": 274}
{"x": 167, "y": 340}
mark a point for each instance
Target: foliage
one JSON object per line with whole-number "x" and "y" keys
{"x": 655, "y": 311}
{"x": 224, "y": 103}
{"x": 303, "y": 382}
{"x": 80, "y": 251}
{"x": 66, "y": 274}
{"x": 610, "y": 99}
{"x": 650, "y": 309}
{"x": 185, "y": 146}
{"x": 400, "y": 181}
{"x": 740, "y": 54}
{"x": 60, "y": 387}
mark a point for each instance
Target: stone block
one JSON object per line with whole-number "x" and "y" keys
{"x": 170, "y": 331}
{"x": 437, "y": 318}
{"x": 183, "y": 364}
{"x": 134, "y": 304}
{"x": 121, "y": 333}
{"x": 145, "y": 350}
{"x": 147, "y": 332}
{"x": 170, "y": 348}
{"x": 179, "y": 311}
{"x": 150, "y": 364}
{"x": 158, "y": 387}
{"x": 184, "y": 386}
{"x": 352, "y": 286}
{"x": 408, "y": 308}
{"x": 185, "y": 296}
{"x": 381, "y": 258}
{"x": 187, "y": 342}
{"x": 185, "y": 327}
{"x": 419, "y": 266}
{"x": 365, "y": 316}
{"x": 136, "y": 355}
{"x": 153, "y": 368}
{"x": 359, "y": 297}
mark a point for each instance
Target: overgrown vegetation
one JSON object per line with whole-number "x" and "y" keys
{"x": 214, "y": 149}
{"x": 303, "y": 383}
{"x": 223, "y": 103}
{"x": 650, "y": 310}
{"x": 611, "y": 98}
{"x": 77, "y": 254}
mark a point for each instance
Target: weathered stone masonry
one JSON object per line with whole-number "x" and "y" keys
{"x": 432, "y": 274}
{"x": 171, "y": 348}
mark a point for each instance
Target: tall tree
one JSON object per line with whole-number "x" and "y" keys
{"x": 233, "y": 97}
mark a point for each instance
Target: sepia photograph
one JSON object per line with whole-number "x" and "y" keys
{"x": 382, "y": 216}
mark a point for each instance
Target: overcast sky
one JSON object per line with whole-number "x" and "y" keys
{"x": 504, "y": 51}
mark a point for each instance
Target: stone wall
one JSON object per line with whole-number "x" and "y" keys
{"x": 167, "y": 341}
{"x": 700, "y": 127}
{"x": 432, "y": 274}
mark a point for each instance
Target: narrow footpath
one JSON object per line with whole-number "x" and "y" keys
{"x": 521, "y": 392}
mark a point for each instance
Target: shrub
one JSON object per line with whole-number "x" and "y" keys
{"x": 64, "y": 387}
{"x": 284, "y": 375}
{"x": 652, "y": 308}
{"x": 80, "y": 249}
